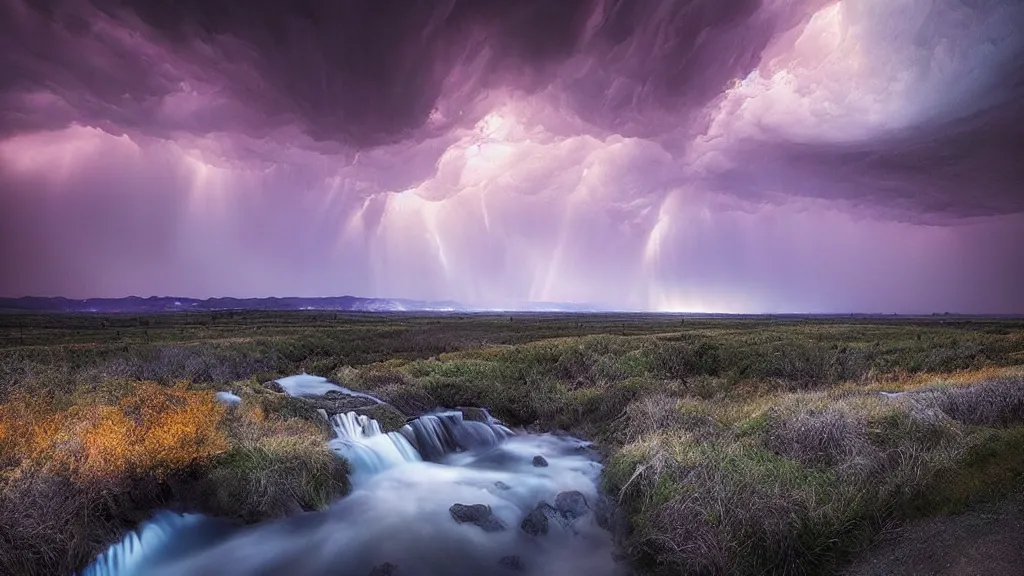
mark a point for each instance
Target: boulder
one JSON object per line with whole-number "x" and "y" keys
{"x": 572, "y": 504}
{"x": 535, "y": 523}
{"x": 539, "y": 461}
{"x": 538, "y": 521}
{"x": 478, "y": 514}
{"x": 502, "y": 486}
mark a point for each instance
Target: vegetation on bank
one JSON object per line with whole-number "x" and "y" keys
{"x": 734, "y": 446}
{"x": 75, "y": 474}
{"x": 782, "y": 459}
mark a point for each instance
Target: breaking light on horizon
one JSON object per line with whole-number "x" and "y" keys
{"x": 677, "y": 156}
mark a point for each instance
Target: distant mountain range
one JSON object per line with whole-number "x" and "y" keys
{"x": 157, "y": 304}
{"x": 153, "y": 304}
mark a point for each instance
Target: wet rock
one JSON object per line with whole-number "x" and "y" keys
{"x": 588, "y": 450}
{"x": 274, "y": 386}
{"x": 385, "y": 569}
{"x": 473, "y": 414}
{"x": 572, "y": 504}
{"x": 535, "y": 523}
{"x": 334, "y": 403}
{"x": 478, "y": 514}
{"x": 502, "y": 486}
{"x": 389, "y": 418}
{"x": 512, "y": 563}
{"x": 538, "y": 521}
{"x": 539, "y": 461}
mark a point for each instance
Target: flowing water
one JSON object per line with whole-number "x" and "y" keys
{"x": 531, "y": 506}
{"x": 310, "y": 385}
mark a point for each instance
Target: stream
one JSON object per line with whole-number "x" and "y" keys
{"x": 441, "y": 496}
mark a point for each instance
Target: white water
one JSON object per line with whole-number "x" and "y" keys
{"x": 404, "y": 484}
{"x": 310, "y": 385}
{"x": 228, "y": 398}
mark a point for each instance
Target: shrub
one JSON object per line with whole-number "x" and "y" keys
{"x": 397, "y": 390}
{"x": 994, "y": 403}
{"x": 795, "y": 486}
{"x": 820, "y": 436}
{"x": 275, "y": 466}
{"x": 153, "y": 431}
{"x": 73, "y": 479}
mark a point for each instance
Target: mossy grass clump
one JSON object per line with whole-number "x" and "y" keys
{"x": 275, "y": 466}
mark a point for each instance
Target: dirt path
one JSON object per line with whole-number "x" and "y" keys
{"x": 987, "y": 541}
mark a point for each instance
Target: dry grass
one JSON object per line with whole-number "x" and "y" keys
{"x": 989, "y": 403}
{"x": 793, "y": 483}
{"x": 153, "y": 431}
{"x": 275, "y": 466}
{"x": 904, "y": 380}
{"x": 73, "y": 479}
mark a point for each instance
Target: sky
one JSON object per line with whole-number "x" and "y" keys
{"x": 689, "y": 155}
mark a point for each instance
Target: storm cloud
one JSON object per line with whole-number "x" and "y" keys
{"x": 738, "y": 156}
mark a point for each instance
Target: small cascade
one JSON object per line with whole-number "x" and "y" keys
{"x": 157, "y": 538}
{"x": 367, "y": 449}
{"x": 431, "y": 437}
{"x": 440, "y": 434}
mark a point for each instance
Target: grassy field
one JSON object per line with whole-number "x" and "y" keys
{"x": 734, "y": 446}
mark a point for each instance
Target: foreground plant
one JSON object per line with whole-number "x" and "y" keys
{"x": 73, "y": 479}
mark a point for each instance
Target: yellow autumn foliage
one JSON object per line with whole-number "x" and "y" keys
{"x": 154, "y": 430}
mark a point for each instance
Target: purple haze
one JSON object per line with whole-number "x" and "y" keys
{"x": 690, "y": 155}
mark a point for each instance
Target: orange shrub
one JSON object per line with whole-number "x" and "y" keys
{"x": 904, "y": 380}
{"x": 154, "y": 430}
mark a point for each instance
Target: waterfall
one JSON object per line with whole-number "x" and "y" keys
{"x": 368, "y": 450}
{"x": 442, "y": 433}
{"x": 431, "y": 437}
{"x": 163, "y": 536}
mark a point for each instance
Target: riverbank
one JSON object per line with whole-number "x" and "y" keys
{"x": 733, "y": 447}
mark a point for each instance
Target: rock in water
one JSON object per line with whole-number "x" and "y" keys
{"x": 571, "y": 504}
{"x": 538, "y": 520}
{"x": 512, "y": 563}
{"x": 539, "y": 461}
{"x": 479, "y": 514}
{"x": 385, "y": 569}
{"x": 535, "y": 523}
{"x": 473, "y": 414}
{"x": 502, "y": 486}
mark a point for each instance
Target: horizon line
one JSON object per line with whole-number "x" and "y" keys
{"x": 524, "y": 307}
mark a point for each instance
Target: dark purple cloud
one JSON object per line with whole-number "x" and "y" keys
{"x": 689, "y": 154}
